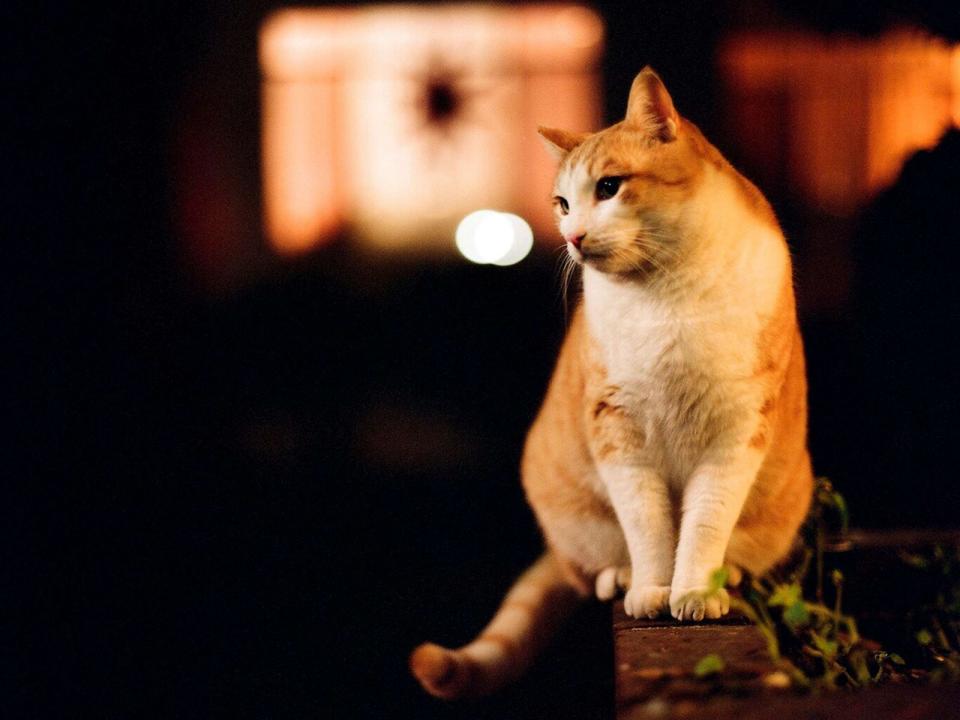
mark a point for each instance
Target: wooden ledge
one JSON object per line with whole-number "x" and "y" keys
{"x": 655, "y": 660}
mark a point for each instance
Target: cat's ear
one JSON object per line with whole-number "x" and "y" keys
{"x": 560, "y": 142}
{"x": 651, "y": 108}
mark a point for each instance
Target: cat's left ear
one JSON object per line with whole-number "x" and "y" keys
{"x": 650, "y": 107}
{"x": 560, "y": 142}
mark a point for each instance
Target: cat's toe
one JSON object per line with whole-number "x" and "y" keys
{"x": 610, "y": 581}
{"x": 696, "y": 604}
{"x": 606, "y": 584}
{"x": 647, "y": 601}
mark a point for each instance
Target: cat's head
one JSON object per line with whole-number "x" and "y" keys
{"x": 622, "y": 195}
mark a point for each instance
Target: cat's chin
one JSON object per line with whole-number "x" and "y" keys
{"x": 610, "y": 266}
{"x": 600, "y": 263}
{"x": 575, "y": 254}
{"x": 594, "y": 260}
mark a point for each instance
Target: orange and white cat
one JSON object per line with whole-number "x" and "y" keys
{"x": 672, "y": 439}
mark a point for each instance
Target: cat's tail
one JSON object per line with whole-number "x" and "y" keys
{"x": 533, "y": 608}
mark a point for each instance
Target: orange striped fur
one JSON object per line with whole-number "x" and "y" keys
{"x": 672, "y": 438}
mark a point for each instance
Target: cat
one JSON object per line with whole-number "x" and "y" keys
{"x": 672, "y": 439}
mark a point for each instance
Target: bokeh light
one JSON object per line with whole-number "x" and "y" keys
{"x": 488, "y": 237}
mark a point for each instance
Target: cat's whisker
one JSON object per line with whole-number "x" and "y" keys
{"x": 569, "y": 270}
{"x": 563, "y": 270}
{"x": 563, "y": 273}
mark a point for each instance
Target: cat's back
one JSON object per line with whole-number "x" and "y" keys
{"x": 556, "y": 437}
{"x": 558, "y": 471}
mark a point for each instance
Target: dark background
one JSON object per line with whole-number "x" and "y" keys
{"x": 252, "y": 495}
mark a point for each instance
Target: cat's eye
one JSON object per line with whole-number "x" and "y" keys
{"x": 564, "y": 206}
{"x": 607, "y": 187}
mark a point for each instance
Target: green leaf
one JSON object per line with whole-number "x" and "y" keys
{"x": 709, "y": 665}
{"x": 861, "y": 670}
{"x": 841, "y": 505}
{"x": 924, "y": 637}
{"x": 796, "y": 614}
{"x": 785, "y": 595}
{"x": 896, "y": 659}
{"x": 827, "y": 647}
{"x": 836, "y": 577}
{"x": 718, "y": 580}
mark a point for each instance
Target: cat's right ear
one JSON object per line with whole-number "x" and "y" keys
{"x": 560, "y": 142}
{"x": 650, "y": 107}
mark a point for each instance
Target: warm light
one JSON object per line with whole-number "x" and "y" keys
{"x": 838, "y": 137}
{"x": 955, "y": 90}
{"x": 579, "y": 27}
{"x": 393, "y": 122}
{"x": 488, "y": 237}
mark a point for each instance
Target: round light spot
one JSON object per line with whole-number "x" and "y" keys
{"x": 467, "y": 235}
{"x": 522, "y": 241}
{"x": 494, "y": 238}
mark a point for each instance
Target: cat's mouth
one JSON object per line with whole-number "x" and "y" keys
{"x": 586, "y": 255}
{"x": 583, "y": 254}
{"x": 607, "y": 260}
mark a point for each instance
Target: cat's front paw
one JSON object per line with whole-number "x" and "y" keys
{"x": 647, "y": 601}
{"x": 697, "y": 603}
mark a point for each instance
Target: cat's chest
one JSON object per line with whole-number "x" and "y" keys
{"x": 642, "y": 358}
{"x": 680, "y": 382}
{"x": 645, "y": 348}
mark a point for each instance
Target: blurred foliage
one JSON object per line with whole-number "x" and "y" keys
{"x": 709, "y": 665}
{"x": 934, "y": 624}
{"x": 812, "y": 641}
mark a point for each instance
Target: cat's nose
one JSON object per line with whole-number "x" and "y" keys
{"x": 575, "y": 238}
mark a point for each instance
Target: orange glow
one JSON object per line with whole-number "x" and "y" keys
{"x": 844, "y": 112}
{"x": 955, "y": 74}
{"x": 301, "y": 196}
{"x": 397, "y": 121}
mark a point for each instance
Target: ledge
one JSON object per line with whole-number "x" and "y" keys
{"x": 655, "y": 659}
